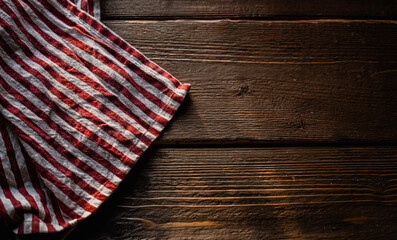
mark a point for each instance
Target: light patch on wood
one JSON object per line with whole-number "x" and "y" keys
{"x": 147, "y": 224}
{"x": 189, "y": 224}
{"x": 383, "y": 72}
{"x": 359, "y": 220}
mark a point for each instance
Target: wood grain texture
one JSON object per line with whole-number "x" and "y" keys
{"x": 134, "y": 9}
{"x": 253, "y": 193}
{"x": 283, "y": 81}
{"x": 262, "y": 81}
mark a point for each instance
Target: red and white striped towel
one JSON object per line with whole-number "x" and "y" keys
{"x": 78, "y": 105}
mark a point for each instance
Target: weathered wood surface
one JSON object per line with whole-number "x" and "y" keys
{"x": 135, "y": 9}
{"x": 291, "y": 81}
{"x": 298, "y": 82}
{"x": 254, "y": 193}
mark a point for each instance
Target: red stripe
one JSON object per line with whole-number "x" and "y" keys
{"x": 30, "y": 105}
{"x": 4, "y": 214}
{"x": 97, "y": 71}
{"x": 72, "y": 104}
{"x": 122, "y": 44}
{"x": 78, "y": 91}
{"x": 125, "y": 46}
{"x": 21, "y": 228}
{"x": 35, "y": 224}
{"x": 48, "y": 175}
{"x": 36, "y": 182}
{"x": 68, "y": 211}
{"x": 66, "y": 118}
{"x": 67, "y": 136}
{"x": 48, "y": 102}
{"x": 36, "y": 185}
{"x": 12, "y": 157}
{"x": 165, "y": 90}
{"x": 113, "y": 66}
{"x": 19, "y": 181}
{"x": 83, "y": 5}
{"x": 88, "y": 133}
{"x": 66, "y": 190}
{"x": 3, "y": 181}
{"x": 90, "y": 7}
{"x": 20, "y": 186}
{"x": 63, "y": 152}
{"x": 62, "y": 207}
{"x": 54, "y": 126}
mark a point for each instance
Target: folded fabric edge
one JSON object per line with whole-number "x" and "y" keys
{"x": 178, "y": 94}
{"x": 70, "y": 226}
{"x": 184, "y": 87}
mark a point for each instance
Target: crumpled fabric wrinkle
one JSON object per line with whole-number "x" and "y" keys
{"x": 78, "y": 107}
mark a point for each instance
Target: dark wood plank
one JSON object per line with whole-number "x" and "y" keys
{"x": 254, "y": 193}
{"x": 135, "y": 9}
{"x": 283, "y": 81}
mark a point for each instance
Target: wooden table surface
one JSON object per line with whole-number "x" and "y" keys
{"x": 289, "y": 130}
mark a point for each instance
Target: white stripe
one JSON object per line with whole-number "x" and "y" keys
{"x": 79, "y": 83}
{"x": 69, "y": 129}
{"x": 155, "y": 92}
{"x": 55, "y": 154}
{"x": 50, "y": 207}
{"x": 43, "y": 226}
{"x": 12, "y": 184}
{"x": 79, "y": 100}
{"x": 97, "y": 9}
{"x": 61, "y": 141}
{"x": 61, "y": 196}
{"x": 60, "y": 160}
{"x": 83, "y": 69}
{"x": 106, "y": 138}
{"x": 27, "y": 223}
{"x": 77, "y": 135}
{"x": 8, "y": 206}
{"x": 77, "y": 3}
{"x": 150, "y": 88}
{"x": 65, "y": 181}
{"x": 38, "y": 156}
{"x": 85, "y": 122}
{"x": 114, "y": 74}
{"x": 21, "y": 162}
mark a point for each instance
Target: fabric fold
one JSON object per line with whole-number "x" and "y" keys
{"x": 79, "y": 105}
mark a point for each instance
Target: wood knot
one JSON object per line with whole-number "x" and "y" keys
{"x": 243, "y": 90}
{"x": 297, "y": 124}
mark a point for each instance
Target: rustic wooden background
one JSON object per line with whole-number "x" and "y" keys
{"x": 289, "y": 130}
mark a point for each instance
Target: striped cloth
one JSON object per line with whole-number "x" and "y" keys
{"x": 78, "y": 105}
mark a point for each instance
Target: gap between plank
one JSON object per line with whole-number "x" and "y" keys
{"x": 248, "y": 144}
{"x": 274, "y": 18}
